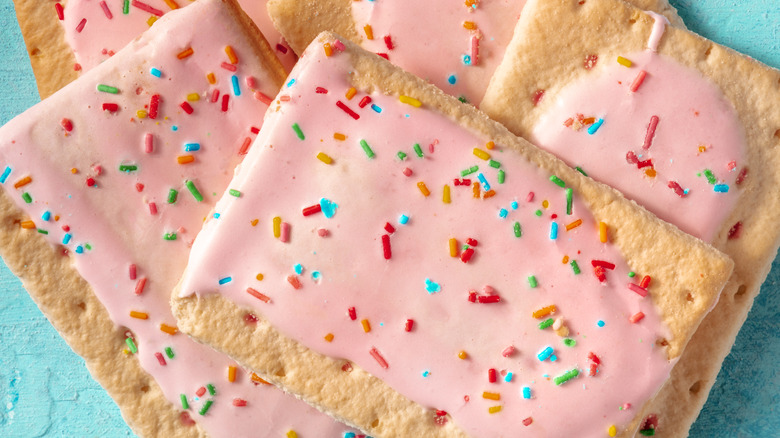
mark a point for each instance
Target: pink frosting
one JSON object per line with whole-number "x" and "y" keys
{"x": 101, "y": 36}
{"x": 72, "y": 150}
{"x": 697, "y": 147}
{"x": 343, "y": 244}
{"x": 428, "y": 38}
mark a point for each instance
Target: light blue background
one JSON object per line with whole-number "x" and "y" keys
{"x": 46, "y": 391}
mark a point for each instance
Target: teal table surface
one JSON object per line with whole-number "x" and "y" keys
{"x": 46, "y": 391}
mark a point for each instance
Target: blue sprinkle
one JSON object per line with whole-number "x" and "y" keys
{"x": 484, "y": 182}
{"x": 545, "y": 354}
{"x": 502, "y": 213}
{"x": 191, "y": 147}
{"x": 66, "y": 238}
{"x": 403, "y": 220}
{"x": 526, "y": 392}
{"x": 291, "y": 83}
{"x": 595, "y": 127}
{"x": 5, "y": 174}
{"x": 328, "y": 207}
{"x": 600, "y": 323}
{"x": 236, "y": 88}
{"x": 426, "y": 373}
{"x": 553, "y": 358}
{"x": 216, "y": 215}
{"x": 431, "y": 286}
{"x": 46, "y": 216}
{"x": 174, "y": 128}
{"x": 155, "y": 72}
{"x": 316, "y": 275}
{"x": 721, "y": 188}
{"x": 553, "y": 230}
{"x": 508, "y": 377}
{"x": 376, "y": 108}
{"x": 514, "y": 205}
{"x": 452, "y": 79}
{"x": 298, "y": 269}
{"x": 349, "y": 434}
{"x": 79, "y": 250}
{"x": 225, "y": 280}
{"x": 466, "y": 60}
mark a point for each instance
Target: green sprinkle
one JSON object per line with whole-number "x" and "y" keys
{"x": 518, "y": 230}
{"x": 367, "y": 149}
{"x": 469, "y": 171}
{"x": 710, "y": 177}
{"x": 27, "y": 198}
{"x": 212, "y": 389}
{"x": 647, "y": 432}
{"x": 184, "y": 404}
{"x": 128, "y": 167}
{"x": 632, "y": 274}
{"x": 418, "y": 150}
{"x": 172, "y": 194}
{"x": 194, "y": 190}
{"x": 579, "y": 169}
{"x": 42, "y": 231}
{"x": 546, "y": 323}
{"x": 501, "y": 176}
{"x": 131, "y": 345}
{"x": 538, "y": 213}
{"x": 234, "y": 192}
{"x": 575, "y": 267}
{"x": 87, "y": 246}
{"x": 494, "y": 164}
{"x": 532, "y": 282}
{"x": 169, "y": 236}
{"x": 169, "y": 352}
{"x": 401, "y": 155}
{"x": 126, "y": 7}
{"x": 206, "y": 407}
{"x": 298, "y": 131}
{"x": 462, "y": 99}
{"x": 569, "y": 342}
{"x": 569, "y": 199}
{"x": 107, "y": 89}
{"x": 565, "y": 377}
{"x": 557, "y": 181}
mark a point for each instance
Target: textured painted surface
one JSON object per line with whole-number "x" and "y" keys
{"x": 46, "y": 391}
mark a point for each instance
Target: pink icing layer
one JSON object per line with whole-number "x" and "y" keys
{"x": 337, "y": 257}
{"x": 697, "y": 132}
{"x": 101, "y": 36}
{"x": 110, "y": 223}
{"x": 429, "y": 39}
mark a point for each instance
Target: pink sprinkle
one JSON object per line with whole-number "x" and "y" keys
{"x": 338, "y": 45}
{"x": 386, "y": 251}
{"x": 409, "y": 325}
{"x": 106, "y": 10}
{"x": 626, "y": 406}
{"x": 81, "y": 25}
{"x": 530, "y": 197}
{"x": 285, "y": 235}
{"x": 389, "y": 228}
{"x": 262, "y": 98}
{"x": 250, "y": 82}
{"x": 508, "y": 351}
{"x": 225, "y": 100}
{"x": 147, "y": 8}
{"x": 407, "y": 171}
{"x": 152, "y": 208}
{"x": 378, "y": 357}
{"x": 132, "y": 271}
{"x": 492, "y": 375}
{"x": 642, "y": 292}
{"x": 631, "y": 158}
{"x": 160, "y": 358}
{"x": 214, "y": 96}
{"x": 148, "y": 143}
{"x": 98, "y": 169}
{"x": 487, "y": 289}
{"x": 677, "y": 188}
{"x": 200, "y": 391}
{"x": 139, "y": 287}
{"x": 260, "y": 296}
{"x": 635, "y": 318}
{"x": 229, "y": 67}
{"x": 433, "y": 145}
{"x": 638, "y": 80}
{"x": 60, "y": 11}
{"x": 474, "y": 49}
{"x": 650, "y": 132}
{"x": 239, "y": 402}
{"x": 528, "y": 421}
{"x": 322, "y": 232}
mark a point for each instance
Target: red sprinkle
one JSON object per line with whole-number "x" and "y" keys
{"x": 378, "y": 357}
{"x": 66, "y": 123}
{"x": 260, "y": 296}
{"x": 152, "y": 208}
{"x": 590, "y": 61}
{"x": 472, "y": 242}
{"x": 90, "y": 181}
{"x": 281, "y": 48}
{"x": 603, "y": 264}
{"x": 492, "y": 375}
{"x": 389, "y": 228}
{"x": 593, "y": 369}
{"x": 735, "y": 231}
{"x": 635, "y": 318}
{"x": 106, "y": 11}
{"x": 741, "y": 176}
{"x": 677, "y": 188}
{"x": 147, "y": 8}
{"x": 110, "y": 107}
{"x": 313, "y": 209}
{"x": 488, "y": 299}
{"x": 388, "y": 42}
{"x": 225, "y": 100}
{"x": 364, "y": 101}
{"x": 645, "y": 283}
{"x": 250, "y": 319}
{"x": 409, "y": 325}
{"x": 631, "y": 157}
{"x": 538, "y": 95}
{"x": 595, "y": 359}
{"x": 466, "y": 255}
{"x": 352, "y": 313}
{"x": 472, "y": 296}
{"x": 294, "y": 281}
{"x": 384, "y": 55}
{"x": 347, "y": 110}
{"x": 638, "y": 80}
{"x": 528, "y": 421}
{"x": 139, "y": 187}
{"x": 186, "y": 107}
{"x": 239, "y": 402}
{"x": 160, "y": 358}
{"x": 254, "y": 130}
{"x": 644, "y": 163}
{"x": 320, "y": 90}
{"x": 81, "y": 25}
{"x": 650, "y": 132}
{"x": 153, "y": 106}
{"x": 386, "y": 246}
{"x": 508, "y": 351}
{"x": 200, "y": 391}
{"x": 133, "y": 271}
{"x": 642, "y": 292}
{"x": 245, "y": 146}
{"x": 599, "y": 272}
{"x": 214, "y": 95}
{"x": 60, "y": 11}
{"x": 140, "y": 285}
{"x": 229, "y": 67}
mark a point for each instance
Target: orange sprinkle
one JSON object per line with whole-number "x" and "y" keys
{"x": 544, "y": 311}
{"x": 211, "y": 78}
{"x": 369, "y": 32}
{"x": 186, "y": 53}
{"x": 74, "y": 171}
{"x": 139, "y": 315}
{"x": 339, "y": 136}
{"x": 650, "y": 173}
{"x": 350, "y": 93}
{"x": 231, "y": 54}
{"x": 445, "y": 194}
{"x": 423, "y": 188}
{"x": 489, "y": 194}
{"x": 490, "y": 145}
{"x": 475, "y": 189}
{"x": 254, "y": 223}
{"x": 329, "y": 337}
{"x": 491, "y": 395}
{"x": 258, "y": 379}
{"x": 28, "y": 225}
{"x": 232, "y": 373}
{"x": 588, "y": 120}
{"x": 366, "y": 325}
{"x": 171, "y": 4}
{"x": 453, "y": 247}
{"x": 259, "y": 276}
{"x": 702, "y": 148}
{"x": 185, "y": 159}
{"x": 565, "y": 259}
{"x": 328, "y": 49}
{"x": 574, "y": 225}
{"x": 603, "y": 232}
{"x": 171, "y": 330}
{"x": 462, "y": 355}
{"x": 22, "y": 182}
{"x": 469, "y": 25}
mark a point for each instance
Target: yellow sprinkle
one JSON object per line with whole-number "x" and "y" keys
{"x": 185, "y": 53}
{"x": 574, "y": 225}
{"x": 193, "y": 97}
{"x": 232, "y": 373}
{"x": 366, "y": 325}
{"x": 27, "y": 225}
{"x": 481, "y": 154}
{"x": 329, "y": 337}
{"x": 544, "y": 311}
{"x": 545, "y": 203}
{"x": 74, "y": 171}
{"x": 171, "y": 330}
{"x": 565, "y": 259}
{"x": 151, "y": 21}
{"x": 423, "y": 188}
{"x": 138, "y": 315}
{"x": 490, "y": 145}
{"x": 211, "y": 78}
{"x": 339, "y": 136}
{"x": 369, "y": 32}
{"x": 602, "y": 232}
{"x": 259, "y": 277}
{"x": 491, "y": 395}
{"x": 445, "y": 195}
{"x": 650, "y": 172}
{"x": 185, "y": 159}
{"x": 494, "y": 409}
{"x": 258, "y": 379}
{"x": 322, "y": 156}
{"x": 453, "y": 247}
{"x": 350, "y": 93}
{"x": 171, "y": 4}
{"x": 410, "y": 101}
{"x": 328, "y": 49}
{"x": 462, "y": 355}
{"x": 277, "y": 227}
{"x": 22, "y": 182}
{"x": 292, "y": 434}
{"x": 624, "y": 62}
{"x": 141, "y": 114}
{"x": 469, "y": 25}
{"x": 254, "y": 224}
{"x": 612, "y": 431}
{"x": 231, "y": 54}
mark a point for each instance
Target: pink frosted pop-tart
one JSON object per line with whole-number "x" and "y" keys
{"x": 681, "y": 125}
{"x": 417, "y": 270}
{"x": 105, "y": 185}
{"x": 456, "y": 45}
